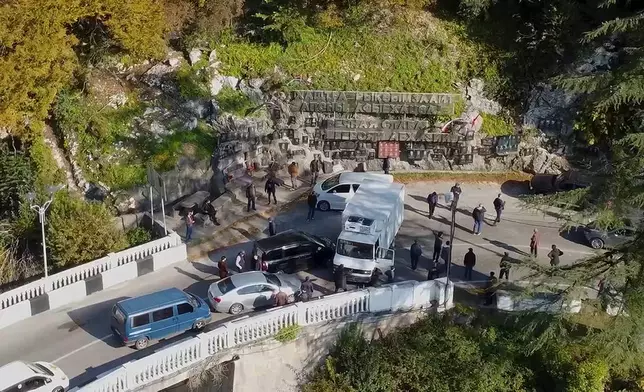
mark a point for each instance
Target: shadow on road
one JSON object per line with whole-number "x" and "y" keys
{"x": 94, "y": 319}
{"x": 515, "y": 188}
{"x": 505, "y": 246}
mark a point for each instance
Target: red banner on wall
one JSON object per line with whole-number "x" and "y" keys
{"x": 388, "y": 149}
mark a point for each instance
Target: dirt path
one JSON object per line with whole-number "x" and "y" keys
{"x": 60, "y": 158}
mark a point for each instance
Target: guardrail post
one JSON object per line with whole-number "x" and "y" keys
{"x": 301, "y": 313}
{"x": 130, "y": 380}
{"x": 113, "y": 260}
{"x": 203, "y": 346}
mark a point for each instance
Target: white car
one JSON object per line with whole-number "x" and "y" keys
{"x": 335, "y": 192}
{"x": 21, "y": 376}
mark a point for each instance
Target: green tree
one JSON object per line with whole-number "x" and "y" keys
{"x": 16, "y": 179}
{"x": 79, "y": 231}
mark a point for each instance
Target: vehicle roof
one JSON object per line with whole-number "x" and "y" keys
{"x": 152, "y": 300}
{"x": 359, "y": 177}
{"x": 14, "y": 373}
{"x": 374, "y": 201}
{"x": 246, "y": 278}
{"x": 282, "y": 239}
{"x": 358, "y": 237}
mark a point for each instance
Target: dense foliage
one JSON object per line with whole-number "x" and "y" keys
{"x": 438, "y": 355}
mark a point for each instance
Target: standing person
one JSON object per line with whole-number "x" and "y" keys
{"x": 315, "y": 170}
{"x": 271, "y": 226}
{"x": 240, "y": 261}
{"x": 340, "y": 278}
{"x": 211, "y": 211}
{"x": 293, "y": 171}
{"x": 554, "y": 256}
{"x": 479, "y": 216}
{"x": 254, "y": 263}
{"x": 307, "y": 289}
{"x": 251, "y": 194}
{"x": 269, "y": 188}
{"x": 438, "y": 245}
{"x": 386, "y": 165}
{"x": 312, "y": 201}
{"x": 432, "y": 200}
{"x": 222, "y": 266}
{"x": 505, "y": 265}
{"x": 469, "y": 261}
{"x": 534, "y": 243}
{"x": 499, "y": 206}
{"x": 445, "y": 254}
{"x": 456, "y": 192}
{"x": 190, "y": 222}
{"x": 490, "y": 289}
{"x": 415, "y": 252}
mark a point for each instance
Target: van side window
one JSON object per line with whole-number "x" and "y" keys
{"x": 184, "y": 308}
{"x": 355, "y": 187}
{"x": 162, "y": 314}
{"x": 140, "y": 320}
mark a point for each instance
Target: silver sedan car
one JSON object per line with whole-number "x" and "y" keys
{"x": 251, "y": 290}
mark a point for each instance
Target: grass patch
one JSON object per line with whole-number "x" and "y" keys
{"x": 499, "y": 177}
{"x": 288, "y": 334}
{"x": 197, "y": 143}
{"x": 234, "y": 101}
{"x": 193, "y": 80}
{"x": 497, "y": 125}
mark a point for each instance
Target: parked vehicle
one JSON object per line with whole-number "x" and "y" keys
{"x": 335, "y": 192}
{"x": 158, "y": 315}
{"x": 293, "y": 250}
{"x": 552, "y": 183}
{"x": 369, "y": 225}
{"x": 598, "y": 238}
{"x": 251, "y": 290}
{"x": 21, "y": 376}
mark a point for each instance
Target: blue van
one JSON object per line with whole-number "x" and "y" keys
{"x": 158, "y": 315}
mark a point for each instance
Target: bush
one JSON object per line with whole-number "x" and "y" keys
{"x": 497, "y": 125}
{"x": 234, "y": 101}
{"x": 288, "y": 334}
{"x": 138, "y": 236}
{"x": 193, "y": 80}
{"x": 16, "y": 179}
{"x": 79, "y": 231}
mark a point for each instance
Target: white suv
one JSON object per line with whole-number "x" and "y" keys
{"x": 335, "y": 192}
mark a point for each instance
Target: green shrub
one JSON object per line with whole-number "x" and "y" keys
{"x": 193, "y": 80}
{"x": 79, "y": 231}
{"x": 198, "y": 143}
{"x": 16, "y": 179}
{"x": 234, "y": 101}
{"x": 288, "y": 334}
{"x": 138, "y": 236}
{"x": 497, "y": 125}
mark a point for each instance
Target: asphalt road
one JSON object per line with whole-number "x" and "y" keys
{"x": 78, "y": 339}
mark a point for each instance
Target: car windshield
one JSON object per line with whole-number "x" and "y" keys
{"x": 192, "y": 299}
{"x": 270, "y": 278}
{"x": 225, "y": 285}
{"x": 356, "y": 250}
{"x": 40, "y": 369}
{"x": 330, "y": 183}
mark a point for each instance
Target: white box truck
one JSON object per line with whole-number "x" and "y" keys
{"x": 370, "y": 223}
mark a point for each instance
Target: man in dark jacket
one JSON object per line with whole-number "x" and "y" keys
{"x": 469, "y": 261}
{"x": 251, "y": 194}
{"x": 312, "y": 201}
{"x": 386, "y": 165}
{"x": 340, "y": 278}
{"x": 505, "y": 265}
{"x": 307, "y": 289}
{"x": 478, "y": 214}
{"x": 456, "y": 191}
{"x": 432, "y": 200}
{"x": 415, "y": 252}
{"x": 315, "y": 170}
{"x": 271, "y": 226}
{"x": 269, "y": 188}
{"x": 499, "y": 205}
{"x": 490, "y": 289}
{"x": 438, "y": 245}
{"x": 554, "y": 256}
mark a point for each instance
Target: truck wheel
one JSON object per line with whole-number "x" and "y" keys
{"x": 324, "y": 206}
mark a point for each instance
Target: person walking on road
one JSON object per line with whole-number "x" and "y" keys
{"x": 293, "y": 171}
{"x": 307, "y": 289}
{"x": 271, "y": 226}
{"x": 269, "y": 188}
{"x": 415, "y": 252}
{"x": 438, "y": 245}
{"x": 240, "y": 261}
{"x": 190, "y": 222}
{"x": 554, "y": 256}
{"x": 456, "y": 193}
{"x": 340, "y": 278}
{"x": 534, "y": 243}
{"x": 386, "y": 165}
{"x": 490, "y": 289}
{"x": 315, "y": 170}
{"x": 505, "y": 265}
{"x": 312, "y": 201}
{"x": 479, "y": 216}
{"x": 251, "y": 195}
{"x": 469, "y": 261}
{"x": 499, "y": 206}
{"x": 222, "y": 266}
{"x": 432, "y": 201}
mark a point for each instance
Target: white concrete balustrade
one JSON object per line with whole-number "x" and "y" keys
{"x": 176, "y": 360}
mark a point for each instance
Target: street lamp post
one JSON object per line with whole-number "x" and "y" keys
{"x": 41, "y": 210}
{"x": 452, "y": 229}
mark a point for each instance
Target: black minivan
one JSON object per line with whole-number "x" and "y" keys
{"x": 292, "y": 250}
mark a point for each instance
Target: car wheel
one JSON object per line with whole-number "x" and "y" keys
{"x": 199, "y": 325}
{"x": 596, "y": 243}
{"x": 236, "y": 309}
{"x": 141, "y": 343}
{"x": 59, "y": 389}
{"x": 324, "y": 206}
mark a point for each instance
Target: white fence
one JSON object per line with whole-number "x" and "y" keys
{"x": 177, "y": 358}
{"x": 85, "y": 271}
